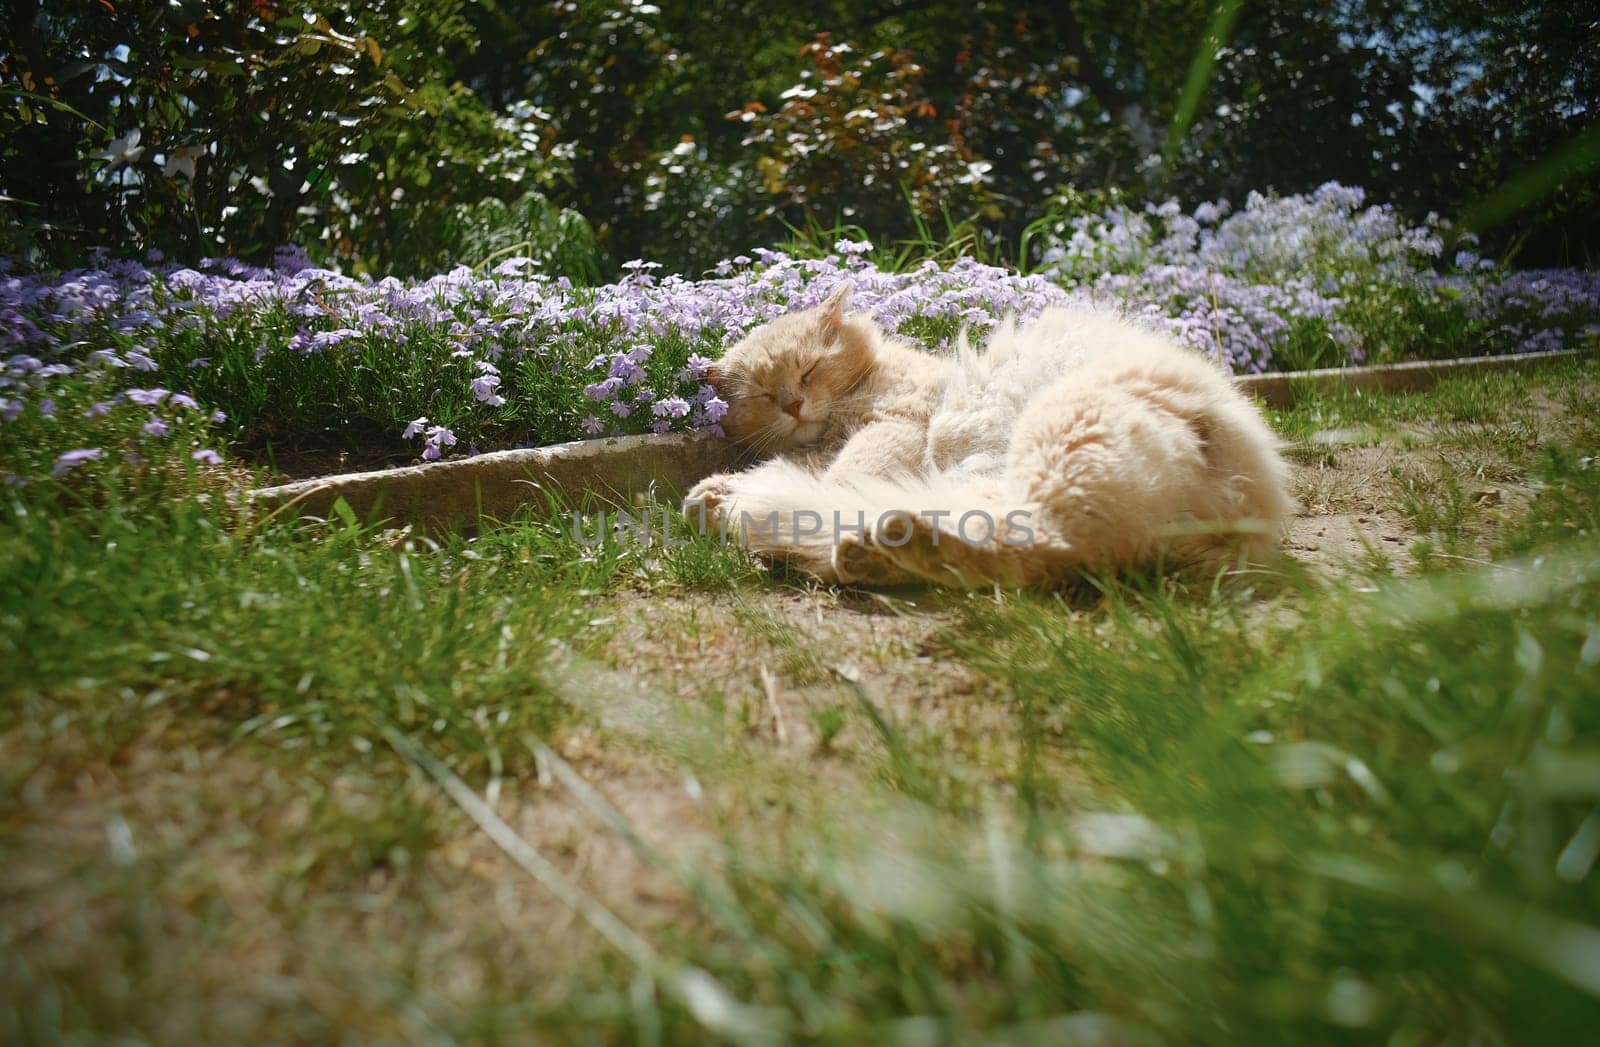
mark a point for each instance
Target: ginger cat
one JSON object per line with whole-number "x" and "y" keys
{"x": 1078, "y": 441}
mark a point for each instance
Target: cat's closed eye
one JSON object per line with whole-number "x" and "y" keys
{"x": 806, "y": 378}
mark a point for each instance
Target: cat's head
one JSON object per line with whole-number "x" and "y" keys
{"x": 786, "y": 379}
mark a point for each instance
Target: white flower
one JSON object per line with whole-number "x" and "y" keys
{"x": 182, "y": 161}
{"x": 124, "y": 150}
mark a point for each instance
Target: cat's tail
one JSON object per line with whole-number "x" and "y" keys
{"x": 948, "y": 528}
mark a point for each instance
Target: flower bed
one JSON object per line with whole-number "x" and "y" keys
{"x": 1316, "y": 280}
{"x": 104, "y": 367}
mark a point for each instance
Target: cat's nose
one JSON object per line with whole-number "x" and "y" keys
{"x": 792, "y": 408}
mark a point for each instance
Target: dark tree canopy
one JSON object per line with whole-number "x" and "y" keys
{"x": 685, "y": 132}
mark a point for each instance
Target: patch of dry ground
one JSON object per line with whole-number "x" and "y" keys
{"x": 1345, "y": 516}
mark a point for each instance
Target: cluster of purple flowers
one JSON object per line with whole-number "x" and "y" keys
{"x": 1325, "y": 231}
{"x": 471, "y": 354}
{"x": 655, "y": 335}
{"x": 1240, "y": 284}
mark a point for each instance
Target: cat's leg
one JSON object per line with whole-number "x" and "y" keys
{"x": 784, "y": 513}
{"x": 886, "y": 448}
{"x": 955, "y": 529}
{"x": 989, "y": 543}
{"x": 880, "y": 449}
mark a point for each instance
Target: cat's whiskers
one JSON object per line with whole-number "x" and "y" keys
{"x": 767, "y": 437}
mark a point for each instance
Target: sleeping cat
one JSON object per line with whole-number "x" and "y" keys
{"x": 1078, "y": 441}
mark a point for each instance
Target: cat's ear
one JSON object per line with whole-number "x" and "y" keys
{"x": 832, "y": 310}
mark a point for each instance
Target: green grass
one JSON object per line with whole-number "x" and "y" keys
{"x": 1293, "y": 807}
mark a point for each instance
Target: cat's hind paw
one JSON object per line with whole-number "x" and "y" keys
{"x": 858, "y": 560}
{"x": 853, "y": 558}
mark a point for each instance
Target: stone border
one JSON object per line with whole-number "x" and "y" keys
{"x": 1280, "y": 390}
{"x": 442, "y": 495}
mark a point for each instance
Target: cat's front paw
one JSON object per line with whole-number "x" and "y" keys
{"x": 705, "y": 499}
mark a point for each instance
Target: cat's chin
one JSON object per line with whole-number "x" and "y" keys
{"x": 805, "y": 433}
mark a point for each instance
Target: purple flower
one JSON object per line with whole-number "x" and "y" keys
{"x": 414, "y": 427}
{"x": 324, "y": 340}
{"x": 206, "y": 456}
{"x": 218, "y": 417}
{"x": 437, "y": 437}
{"x": 603, "y": 390}
{"x": 483, "y": 387}
{"x": 72, "y": 459}
{"x": 674, "y": 406}
{"x": 155, "y": 427}
{"x": 625, "y": 369}
{"x": 1315, "y": 271}
{"x": 145, "y": 397}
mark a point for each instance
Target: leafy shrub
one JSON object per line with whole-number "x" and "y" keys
{"x": 699, "y": 212}
{"x": 866, "y": 122}
{"x": 200, "y": 127}
{"x": 557, "y": 240}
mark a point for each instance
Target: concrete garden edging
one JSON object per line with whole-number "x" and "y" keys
{"x": 441, "y": 495}
{"x": 1279, "y": 389}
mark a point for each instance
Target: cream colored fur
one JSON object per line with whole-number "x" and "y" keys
{"x": 1089, "y": 442}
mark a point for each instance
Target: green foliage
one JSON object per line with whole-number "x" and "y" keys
{"x": 1320, "y": 825}
{"x": 180, "y": 605}
{"x": 558, "y": 239}
{"x": 150, "y": 446}
{"x": 201, "y": 128}
{"x": 698, "y": 212}
{"x": 862, "y": 120}
{"x": 606, "y": 73}
{"x": 349, "y": 127}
